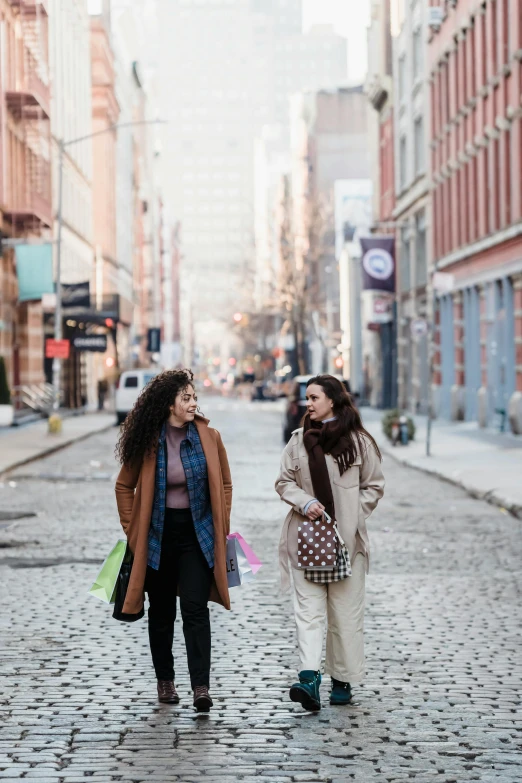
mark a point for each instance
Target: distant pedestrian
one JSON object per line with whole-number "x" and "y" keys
{"x": 174, "y": 495}
{"x": 333, "y": 465}
{"x": 103, "y": 388}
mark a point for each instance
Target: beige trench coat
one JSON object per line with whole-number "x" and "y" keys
{"x": 135, "y": 496}
{"x": 355, "y": 493}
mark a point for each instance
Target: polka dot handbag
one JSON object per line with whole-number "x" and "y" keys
{"x": 321, "y": 552}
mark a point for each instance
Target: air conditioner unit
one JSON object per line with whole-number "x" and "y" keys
{"x": 435, "y": 16}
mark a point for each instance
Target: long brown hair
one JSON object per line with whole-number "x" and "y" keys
{"x": 347, "y": 414}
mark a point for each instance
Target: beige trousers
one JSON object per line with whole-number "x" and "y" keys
{"x": 339, "y": 606}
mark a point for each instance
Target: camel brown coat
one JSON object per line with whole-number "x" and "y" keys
{"x": 135, "y": 496}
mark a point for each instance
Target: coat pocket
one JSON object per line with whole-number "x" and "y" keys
{"x": 297, "y": 473}
{"x": 350, "y": 477}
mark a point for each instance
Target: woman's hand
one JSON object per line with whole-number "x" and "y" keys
{"x": 315, "y": 511}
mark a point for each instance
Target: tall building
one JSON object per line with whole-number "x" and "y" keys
{"x": 71, "y": 118}
{"x": 379, "y": 89}
{"x": 475, "y": 139}
{"x": 234, "y": 64}
{"x": 411, "y": 213}
{"x": 25, "y": 178}
{"x": 380, "y": 340}
{"x": 329, "y": 138}
{"x": 137, "y": 206}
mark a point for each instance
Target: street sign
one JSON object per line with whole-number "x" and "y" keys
{"x": 90, "y": 342}
{"x": 153, "y": 340}
{"x": 419, "y": 327}
{"x": 57, "y": 349}
{"x": 443, "y": 283}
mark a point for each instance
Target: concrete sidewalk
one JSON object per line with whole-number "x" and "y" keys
{"x": 21, "y": 445}
{"x": 485, "y": 463}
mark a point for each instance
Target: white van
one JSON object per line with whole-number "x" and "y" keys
{"x": 129, "y": 387}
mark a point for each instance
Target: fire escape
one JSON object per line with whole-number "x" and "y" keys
{"x": 29, "y": 199}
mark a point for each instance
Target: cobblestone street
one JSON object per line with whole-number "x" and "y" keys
{"x": 443, "y": 638}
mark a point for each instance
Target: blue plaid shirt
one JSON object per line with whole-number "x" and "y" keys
{"x": 195, "y": 466}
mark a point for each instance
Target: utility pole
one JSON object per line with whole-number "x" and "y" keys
{"x": 58, "y": 330}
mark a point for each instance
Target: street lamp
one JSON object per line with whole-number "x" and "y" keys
{"x": 58, "y": 331}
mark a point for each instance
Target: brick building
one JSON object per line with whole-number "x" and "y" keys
{"x": 476, "y": 147}
{"x": 412, "y": 206}
{"x": 380, "y": 370}
{"x": 25, "y": 176}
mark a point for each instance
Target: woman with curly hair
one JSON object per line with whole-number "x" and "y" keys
{"x": 174, "y": 495}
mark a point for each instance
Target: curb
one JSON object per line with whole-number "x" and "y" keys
{"x": 53, "y": 449}
{"x": 488, "y": 496}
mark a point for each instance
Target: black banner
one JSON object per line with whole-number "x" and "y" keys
{"x": 378, "y": 263}
{"x": 76, "y": 295}
{"x": 153, "y": 340}
{"x": 90, "y": 342}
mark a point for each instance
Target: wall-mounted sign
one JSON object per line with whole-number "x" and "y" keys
{"x": 90, "y": 342}
{"x": 57, "y": 349}
{"x": 443, "y": 283}
{"x": 378, "y": 263}
{"x": 377, "y": 307}
{"x": 76, "y": 295}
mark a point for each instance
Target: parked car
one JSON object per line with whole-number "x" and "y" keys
{"x": 296, "y": 405}
{"x": 129, "y": 387}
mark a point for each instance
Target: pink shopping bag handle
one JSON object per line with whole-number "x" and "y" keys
{"x": 252, "y": 558}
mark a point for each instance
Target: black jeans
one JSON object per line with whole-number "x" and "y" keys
{"x": 182, "y": 568}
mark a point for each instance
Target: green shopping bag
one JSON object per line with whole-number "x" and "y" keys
{"x": 104, "y": 586}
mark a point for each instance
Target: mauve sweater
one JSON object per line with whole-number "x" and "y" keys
{"x": 177, "y": 492}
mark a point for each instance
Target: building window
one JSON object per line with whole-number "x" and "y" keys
{"x": 418, "y": 137}
{"x": 402, "y": 162}
{"x": 421, "y": 259}
{"x": 402, "y": 78}
{"x": 405, "y": 259}
{"x": 417, "y": 54}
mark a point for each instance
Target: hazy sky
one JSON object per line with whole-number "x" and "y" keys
{"x": 350, "y": 18}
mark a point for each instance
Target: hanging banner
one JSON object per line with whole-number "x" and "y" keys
{"x": 378, "y": 263}
{"x": 153, "y": 340}
{"x": 34, "y": 270}
{"x": 76, "y": 295}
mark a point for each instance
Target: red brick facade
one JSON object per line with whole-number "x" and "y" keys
{"x": 475, "y": 73}
{"x": 25, "y": 178}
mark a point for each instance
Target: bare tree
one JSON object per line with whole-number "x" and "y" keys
{"x": 293, "y": 284}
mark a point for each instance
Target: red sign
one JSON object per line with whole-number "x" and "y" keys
{"x": 57, "y": 349}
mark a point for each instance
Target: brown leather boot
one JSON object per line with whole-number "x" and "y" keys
{"x": 167, "y": 692}
{"x": 202, "y": 700}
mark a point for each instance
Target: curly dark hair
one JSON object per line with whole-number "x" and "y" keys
{"x": 141, "y": 428}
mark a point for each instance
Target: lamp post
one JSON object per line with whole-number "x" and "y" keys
{"x": 58, "y": 330}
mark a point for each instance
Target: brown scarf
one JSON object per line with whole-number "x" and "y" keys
{"x": 320, "y": 439}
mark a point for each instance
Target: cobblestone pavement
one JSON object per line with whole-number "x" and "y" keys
{"x": 77, "y": 694}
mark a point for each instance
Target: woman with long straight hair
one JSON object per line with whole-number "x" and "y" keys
{"x": 331, "y": 477}
{"x": 174, "y": 495}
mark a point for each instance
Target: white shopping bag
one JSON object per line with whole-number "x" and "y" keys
{"x": 240, "y": 568}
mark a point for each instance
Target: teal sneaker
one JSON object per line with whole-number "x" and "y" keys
{"x": 341, "y": 692}
{"x": 306, "y": 691}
